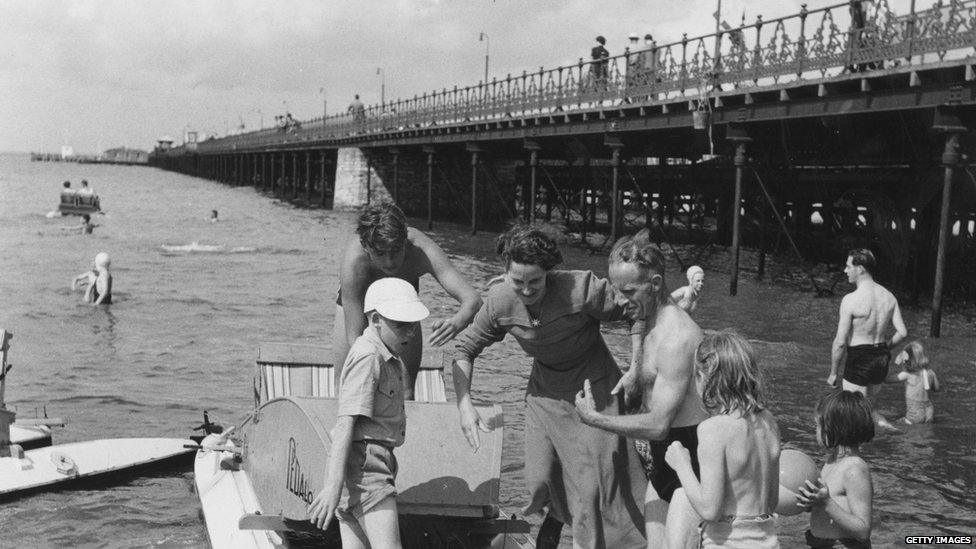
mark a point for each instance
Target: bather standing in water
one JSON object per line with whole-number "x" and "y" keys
{"x": 866, "y": 316}
{"x": 100, "y": 290}
{"x": 386, "y": 247}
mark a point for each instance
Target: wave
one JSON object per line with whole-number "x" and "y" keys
{"x": 196, "y": 247}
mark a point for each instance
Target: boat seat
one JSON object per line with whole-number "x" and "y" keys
{"x": 290, "y": 369}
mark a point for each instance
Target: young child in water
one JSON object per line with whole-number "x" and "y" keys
{"x": 919, "y": 379}
{"x": 738, "y": 449}
{"x": 840, "y": 502}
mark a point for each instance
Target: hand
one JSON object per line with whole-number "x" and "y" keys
{"x": 832, "y": 380}
{"x": 812, "y": 495}
{"x": 323, "y": 507}
{"x": 585, "y": 405}
{"x": 444, "y": 330}
{"x": 677, "y": 455}
{"x": 629, "y": 385}
{"x": 471, "y": 423}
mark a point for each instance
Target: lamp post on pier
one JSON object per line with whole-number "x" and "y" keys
{"x": 325, "y": 110}
{"x": 483, "y": 37}
{"x": 379, "y": 71}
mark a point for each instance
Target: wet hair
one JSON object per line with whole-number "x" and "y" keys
{"x": 731, "y": 378}
{"x": 844, "y": 418}
{"x": 864, "y": 258}
{"x": 917, "y": 359}
{"x": 382, "y": 227}
{"x": 528, "y": 245}
{"x": 66, "y": 184}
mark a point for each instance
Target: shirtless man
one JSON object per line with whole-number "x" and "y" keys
{"x": 866, "y": 316}
{"x": 672, "y": 407}
{"x": 686, "y": 297}
{"x": 387, "y": 247}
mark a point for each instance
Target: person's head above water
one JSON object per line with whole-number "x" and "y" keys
{"x": 102, "y": 260}
{"x": 85, "y": 218}
{"x": 66, "y": 184}
{"x": 84, "y": 182}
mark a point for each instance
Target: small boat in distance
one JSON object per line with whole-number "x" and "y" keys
{"x": 78, "y": 203}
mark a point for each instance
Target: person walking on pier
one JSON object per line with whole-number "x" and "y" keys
{"x": 866, "y": 316}
{"x": 387, "y": 247}
{"x": 600, "y": 63}
{"x": 358, "y": 111}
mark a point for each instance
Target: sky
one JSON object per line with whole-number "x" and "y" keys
{"x": 102, "y": 74}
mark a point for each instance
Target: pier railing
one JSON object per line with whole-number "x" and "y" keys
{"x": 848, "y": 37}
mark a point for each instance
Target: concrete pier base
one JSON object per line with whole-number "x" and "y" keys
{"x": 358, "y": 181}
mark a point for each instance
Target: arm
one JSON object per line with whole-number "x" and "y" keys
{"x": 83, "y": 277}
{"x": 352, "y": 282}
{"x": 443, "y": 330}
{"x": 839, "y": 349}
{"x": 901, "y": 332}
{"x": 708, "y": 496}
{"x": 674, "y": 374}
{"x": 480, "y": 334}
{"x": 934, "y": 384}
{"x": 678, "y": 294}
{"x": 324, "y": 505}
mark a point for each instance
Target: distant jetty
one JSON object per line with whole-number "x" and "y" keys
{"x": 121, "y": 155}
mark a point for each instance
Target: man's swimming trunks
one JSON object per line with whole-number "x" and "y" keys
{"x": 867, "y": 364}
{"x": 651, "y": 452}
{"x": 826, "y": 543}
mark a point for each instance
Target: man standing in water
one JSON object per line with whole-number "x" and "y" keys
{"x": 866, "y": 316}
{"x": 672, "y": 407}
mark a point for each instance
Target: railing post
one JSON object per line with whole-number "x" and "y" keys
{"x": 801, "y": 53}
{"x": 684, "y": 62}
{"x": 911, "y": 33}
{"x": 738, "y": 136}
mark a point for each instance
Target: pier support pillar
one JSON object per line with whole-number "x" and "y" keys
{"x": 430, "y": 186}
{"x": 615, "y": 145}
{"x": 308, "y": 177}
{"x": 395, "y": 153}
{"x": 533, "y": 148}
{"x": 357, "y": 181}
{"x": 738, "y": 136}
{"x": 474, "y": 150}
{"x": 325, "y": 182}
{"x": 948, "y": 123}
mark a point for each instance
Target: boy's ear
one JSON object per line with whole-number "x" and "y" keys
{"x": 373, "y": 318}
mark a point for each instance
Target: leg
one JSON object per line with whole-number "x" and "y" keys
{"x": 549, "y": 533}
{"x": 682, "y": 524}
{"x": 872, "y": 395}
{"x": 352, "y": 535}
{"x": 381, "y": 525}
{"x": 543, "y": 472}
{"x": 655, "y": 514}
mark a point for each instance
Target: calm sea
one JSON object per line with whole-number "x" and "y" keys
{"x": 194, "y": 299}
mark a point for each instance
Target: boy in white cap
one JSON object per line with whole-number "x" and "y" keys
{"x": 359, "y": 480}
{"x": 687, "y": 296}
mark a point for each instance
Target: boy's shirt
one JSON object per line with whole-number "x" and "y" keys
{"x": 371, "y": 386}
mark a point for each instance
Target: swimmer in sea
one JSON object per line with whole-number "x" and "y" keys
{"x": 213, "y": 216}
{"x": 99, "y": 291}
{"x": 866, "y": 316}
{"x": 85, "y": 227}
{"x": 686, "y": 297}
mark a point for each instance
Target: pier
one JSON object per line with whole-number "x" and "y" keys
{"x": 831, "y": 128}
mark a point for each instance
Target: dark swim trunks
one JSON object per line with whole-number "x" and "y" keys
{"x": 651, "y": 452}
{"x": 867, "y": 364}
{"x": 826, "y": 543}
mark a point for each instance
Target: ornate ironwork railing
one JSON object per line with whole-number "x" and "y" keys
{"x": 815, "y": 44}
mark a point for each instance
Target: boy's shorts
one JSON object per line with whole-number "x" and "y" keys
{"x": 370, "y": 472}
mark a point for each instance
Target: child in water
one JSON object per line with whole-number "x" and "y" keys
{"x": 738, "y": 449}
{"x": 840, "y": 502}
{"x": 99, "y": 290}
{"x": 919, "y": 379}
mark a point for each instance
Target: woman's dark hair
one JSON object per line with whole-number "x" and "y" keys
{"x": 844, "y": 418}
{"x": 530, "y": 246}
{"x": 382, "y": 227}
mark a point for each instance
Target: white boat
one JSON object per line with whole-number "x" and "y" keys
{"x": 90, "y": 462}
{"x": 255, "y": 483}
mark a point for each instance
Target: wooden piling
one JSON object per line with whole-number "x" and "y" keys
{"x": 950, "y": 158}
{"x": 740, "y": 138}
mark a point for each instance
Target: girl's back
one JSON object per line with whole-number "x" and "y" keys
{"x": 752, "y": 463}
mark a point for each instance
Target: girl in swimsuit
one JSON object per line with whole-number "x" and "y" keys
{"x": 738, "y": 449}
{"x": 919, "y": 379}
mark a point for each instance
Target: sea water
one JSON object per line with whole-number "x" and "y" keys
{"x": 193, "y": 299}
